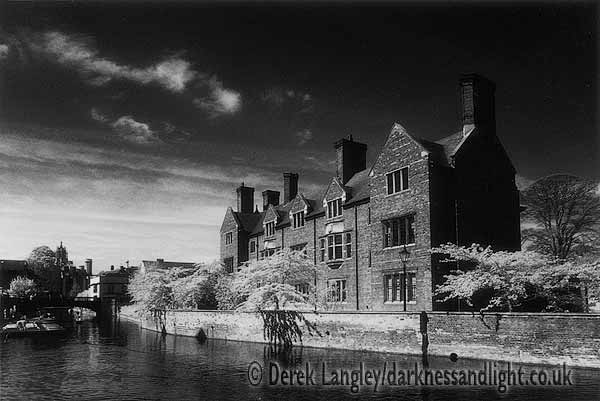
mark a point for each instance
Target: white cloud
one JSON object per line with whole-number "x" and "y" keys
{"x": 173, "y": 73}
{"x": 134, "y": 131}
{"x": 221, "y": 100}
{"x": 304, "y": 136}
{"x": 3, "y": 51}
{"x": 98, "y": 116}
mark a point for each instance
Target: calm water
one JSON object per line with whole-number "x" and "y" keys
{"x": 122, "y": 361}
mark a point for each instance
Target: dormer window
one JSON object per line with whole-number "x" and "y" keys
{"x": 298, "y": 219}
{"x": 228, "y": 238}
{"x": 397, "y": 180}
{"x": 334, "y": 208}
{"x": 270, "y": 229}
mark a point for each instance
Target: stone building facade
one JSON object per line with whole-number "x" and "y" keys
{"x": 416, "y": 195}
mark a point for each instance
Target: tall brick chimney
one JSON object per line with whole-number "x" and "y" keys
{"x": 88, "y": 266}
{"x": 290, "y": 186}
{"x": 270, "y": 197}
{"x": 351, "y": 158}
{"x": 245, "y": 199}
{"x": 478, "y": 105}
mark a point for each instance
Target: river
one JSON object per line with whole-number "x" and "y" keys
{"x": 119, "y": 360}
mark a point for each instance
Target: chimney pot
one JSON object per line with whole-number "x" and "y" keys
{"x": 478, "y": 105}
{"x": 245, "y": 199}
{"x": 351, "y": 157}
{"x": 290, "y": 186}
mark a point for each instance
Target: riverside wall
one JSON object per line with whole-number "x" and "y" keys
{"x": 536, "y": 338}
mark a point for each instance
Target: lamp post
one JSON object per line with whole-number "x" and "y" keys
{"x": 404, "y": 255}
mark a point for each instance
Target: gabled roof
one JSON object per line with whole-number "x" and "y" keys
{"x": 247, "y": 221}
{"x": 358, "y": 187}
{"x": 452, "y": 143}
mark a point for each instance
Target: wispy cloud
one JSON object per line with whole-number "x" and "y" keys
{"x": 220, "y": 100}
{"x": 172, "y": 73}
{"x": 135, "y": 131}
{"x": 3, "y": 51}
{"x": 97, "y": 115}
{"x": 278, "y": 96}
{"x": 304, "y": 136}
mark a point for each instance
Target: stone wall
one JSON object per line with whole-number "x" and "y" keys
{"x": 519, "y": 337}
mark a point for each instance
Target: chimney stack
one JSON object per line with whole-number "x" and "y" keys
{"x": 245, "y": 199}
{"x": 88, "y": 266}
{"x": 290, "y": 186}
{"x": 351, "y": 158}
{"x": 478, "y": 105}
{"x": 270, "y": 197}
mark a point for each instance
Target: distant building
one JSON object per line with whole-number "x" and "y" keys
{"x": 109, "y": 284}
{"x": 161, "y": 264}
{"x": 417, "y": 194}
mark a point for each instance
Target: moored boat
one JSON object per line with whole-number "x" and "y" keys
{"x": 30, "y": 328}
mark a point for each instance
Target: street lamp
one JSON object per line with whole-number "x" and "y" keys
{"x": 404, "y": 255}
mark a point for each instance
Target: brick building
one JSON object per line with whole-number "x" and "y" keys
{"x": 418, "y": 194}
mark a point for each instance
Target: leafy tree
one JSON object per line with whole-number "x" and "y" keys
{"x": 150, "y": 291}
{"x": 176, "y": 288}
{"x": 563, "y": 215}
{"x": 43, "y": 262}
{"x": 22, "y": 287}
{"x": 195, "y": 288}
{"x": 582, "y": 273}
{"x": 505, "y": 276}
{"x": 270, "y": 283}
{"x": 269, "y": 287}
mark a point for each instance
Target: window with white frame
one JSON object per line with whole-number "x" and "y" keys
{"x": 334, "y": 208}
{"x": 336, "y": 290}
{"x": 228, "y": 238}
{"x": 322, "y": 249}
{"x": 265, "y": 253}
{"x": 348, "y": 245}
{"x": 397, "y": 180}
{"x": 302, "y": 288}
{"x": 252, "y": 246}
{"x": 270, "y": 229}
{"x": 298, "y": 219}
{"x": 399, "y": 231}
{"x": 339, "y": 246}
{"x": 299, "y": 247}
{"x": 393, "y": 287}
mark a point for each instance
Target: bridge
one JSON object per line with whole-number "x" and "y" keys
{"x": 104, "y": 307}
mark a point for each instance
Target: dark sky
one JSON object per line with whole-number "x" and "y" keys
{"x": 145, "y": 112}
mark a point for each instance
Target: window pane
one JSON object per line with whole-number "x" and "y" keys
{"x": 339, "y": 202}
{"x": 397, "y": 183}
{"x": 338, "y": 252}
{"x": 395, "y": 233}
{"x": 338, "y": 239}
{"x": 399, "y": 287}
{"x": 403, "y": 231}
{"x": 411, "y": 231}
{"x": 405, "y": 178}
{"x": 390, "y": 184}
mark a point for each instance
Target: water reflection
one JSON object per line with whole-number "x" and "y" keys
{"x": 119, "y": 360}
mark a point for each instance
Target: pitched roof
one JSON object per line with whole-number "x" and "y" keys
{"x": 453, "y": 142}
{"x": 161, "y": 264}
{"x": 247, "y": 220}
{"x": 358, "y": 187}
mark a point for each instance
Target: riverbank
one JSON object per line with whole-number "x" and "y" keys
{"x": 536, "y": 338}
